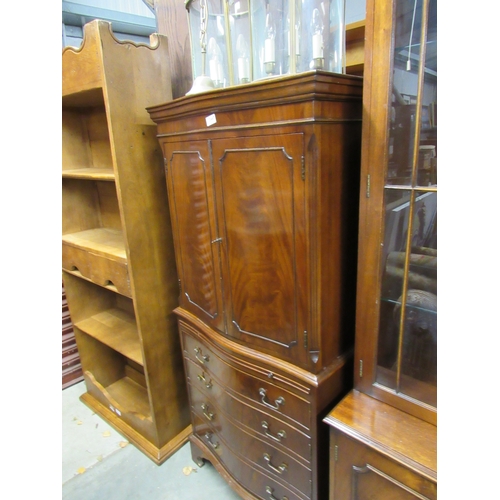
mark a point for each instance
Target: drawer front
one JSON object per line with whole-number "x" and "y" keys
{"x": 269, "y": 428}
{"x": 265, "y": 393}
{"x": 96, "y": 268}
{"x": 246, "y": 473}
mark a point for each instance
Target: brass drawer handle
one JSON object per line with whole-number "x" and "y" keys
{"x": 203, "y": 358}
{"x": 208, "y": 437}
{"x": 269, "y": 491}
{"x": 207, "y": 413}
{"x": 278, "y": 402}
{"x": 280, "y": 469}
{"x": 203, "y": 379}
{"x": 279, "y": 435}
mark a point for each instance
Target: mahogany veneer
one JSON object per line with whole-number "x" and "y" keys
{"x": 263, "y": 183}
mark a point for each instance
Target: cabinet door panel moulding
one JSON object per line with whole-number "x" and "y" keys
{"x": 117, "y": 251}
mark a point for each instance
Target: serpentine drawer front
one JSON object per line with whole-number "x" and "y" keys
{"x": 250, "y": 384}
{"x": 264, "y": 456}
{"x": 277, "y": 432}
{"x": 244, "y": 471}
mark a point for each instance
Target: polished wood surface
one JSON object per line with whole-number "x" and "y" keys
{"x": 383, "y": 447}
{"x": 118, "y": 258}
{"x": 390, "y": 431}
{"x": 263, "y": 191}
{"x": 251, "y": 407}
{"x": 261, "y": 195}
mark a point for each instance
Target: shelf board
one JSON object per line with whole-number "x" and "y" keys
{"x": 102, "y": 241}
{"x": 89, "y": 97}
{"x": 131, "y": 396}
{"x": 109, "y": 286}
{"x": 355, "y": 47}
{"x": 425, "y": 392}
{"x": 93, "y": 174}
{"x": 117, "y": 329}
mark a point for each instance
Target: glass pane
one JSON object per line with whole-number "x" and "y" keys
{"x": 239, "y": 25}
{"x": 407, "y": 352}
{"x": 270, "y": 24}
{"x": 404, "y": 90}
{"x": 396, "y": 224}
{"x": 407, "y": 343}
{"x": 427, "y": 155}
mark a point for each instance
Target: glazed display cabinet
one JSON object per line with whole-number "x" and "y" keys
{"x": 383, "y": 435}
{"x": 117, "y": 251}
{"x": 263, "y": 183}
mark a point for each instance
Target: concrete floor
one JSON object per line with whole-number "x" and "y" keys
{"x": 98, "y": 463}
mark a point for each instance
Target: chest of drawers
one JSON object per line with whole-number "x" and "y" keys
{"x": 254, "y": 419}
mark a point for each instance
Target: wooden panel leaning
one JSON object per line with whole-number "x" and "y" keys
{"x": 118, "y": 261}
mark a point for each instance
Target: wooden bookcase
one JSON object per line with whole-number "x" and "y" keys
{"x": 117, "y": 252}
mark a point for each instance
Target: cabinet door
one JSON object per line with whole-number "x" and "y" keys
{"x": 261, "y": 211}
{"x": 360, "y": 473}
{"x": 191, "y": 199}
{"x": 397, "y": 289}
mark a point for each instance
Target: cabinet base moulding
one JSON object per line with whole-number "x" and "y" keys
{"x": 158, "y": 455}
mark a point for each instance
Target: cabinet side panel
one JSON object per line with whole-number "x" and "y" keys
{"x": 338, "y": 185}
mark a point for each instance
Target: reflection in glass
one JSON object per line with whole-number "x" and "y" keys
{"x": 407, "y": 343}
{"x": 240, "y": 38}
{"x": 408, "y": 98}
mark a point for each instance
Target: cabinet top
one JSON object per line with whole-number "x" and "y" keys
{"x": 286, "y": 96}
{"x": 389, "y": 431}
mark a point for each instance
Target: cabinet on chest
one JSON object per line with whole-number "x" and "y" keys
{"x": 263, "y": 183}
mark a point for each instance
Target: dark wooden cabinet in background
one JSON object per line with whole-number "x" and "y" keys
{"x": 263, "y": 184}
{"x": 383, "y": 434}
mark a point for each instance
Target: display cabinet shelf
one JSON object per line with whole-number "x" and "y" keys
{"x": 117, "y": 251}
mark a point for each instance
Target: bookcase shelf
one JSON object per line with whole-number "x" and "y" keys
{"x": 118, "y": 263}
{"x": 91, "y": 174}
{"x": 117, "y": 329}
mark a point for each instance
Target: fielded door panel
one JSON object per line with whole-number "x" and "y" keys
{"x": 191, "y": 196}
{"x": 261, "y": 213}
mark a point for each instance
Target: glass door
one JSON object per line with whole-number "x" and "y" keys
{"x": 406, "y": 360}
